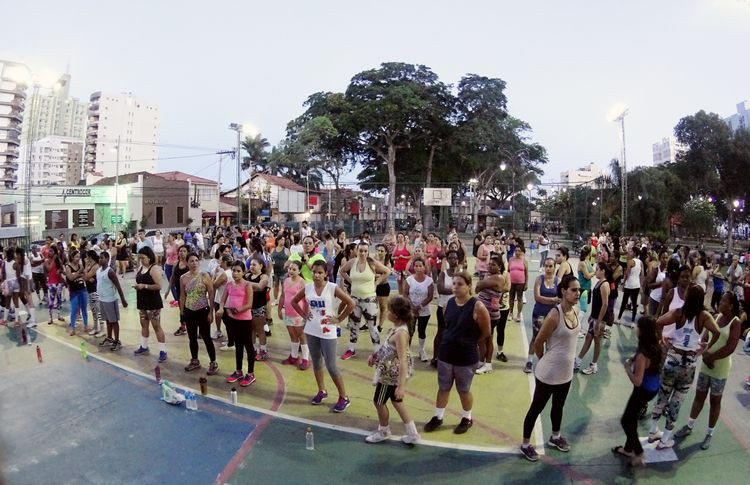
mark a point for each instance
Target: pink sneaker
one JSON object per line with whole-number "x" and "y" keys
{"x": 304, "y": 364}
{"x": 290, "y": 361}
{"x": 348, "y": 354}
{"x": 247, "y": 380}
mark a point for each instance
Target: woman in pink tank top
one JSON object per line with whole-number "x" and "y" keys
{"x": 295, "y": 324}
{"x": 519, "y": 279}
{"x": 238, "y": 301}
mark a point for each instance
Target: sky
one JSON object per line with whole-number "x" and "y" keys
{"x": 566, "y": 64}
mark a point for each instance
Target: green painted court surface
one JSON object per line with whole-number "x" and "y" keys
{"x": 486, "y": 454}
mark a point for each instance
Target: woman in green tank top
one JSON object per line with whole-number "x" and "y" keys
{"x": 717, "y": 362}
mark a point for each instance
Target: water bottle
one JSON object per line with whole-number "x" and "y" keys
{"x": 204, "y": 385}
{"x": 195, "y": 401}
{"x": 233, "y": 395}
{"x": 24, "y": 337}
{"x": 84, "y": 351}
{"x": 338, "y": 331}
{"x": 309, "y": 439}
{"x": 190, "y": 401}
{"x": 157, "y": 374}
{"x": 39, "y": 354}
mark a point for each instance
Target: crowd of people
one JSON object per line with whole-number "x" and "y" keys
{"x": 684, "y": 305}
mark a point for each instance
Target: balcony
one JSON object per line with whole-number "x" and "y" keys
{"x": 9, "y": 164}
{"x": 10, "y": 153}
{"x": 95, "y": 96}
{"x": 14, "y": 114}
{"x": 91, "y": 133}
{"x": 94, "y": 121}
{"x": 17, "y": 91}
{"x": 7, "y": 177}
{"x": 9, "y": 138}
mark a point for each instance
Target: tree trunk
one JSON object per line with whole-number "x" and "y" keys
{"x": 426, "y": 209}
{"x": 391, "y": 161}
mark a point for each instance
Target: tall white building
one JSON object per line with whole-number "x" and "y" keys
{"x": 54, "y": 112}
{"x": 581, "y": 176}
{"x": 124, "y": 128}
{"x": 741, "y": 119}
{"x": 665, "y": 151}
{"x": 56, "y": 160}
{"x": 12, "y": 105}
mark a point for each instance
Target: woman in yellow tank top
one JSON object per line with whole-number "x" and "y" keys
{"x": 362, "y": 272}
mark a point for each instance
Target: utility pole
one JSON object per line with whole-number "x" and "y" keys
{"x": 238, "y": 128}
{"x": 117, "y": 185}
{"x": 218, "y": 185}
{"x": 623, "y": 177}
{"x": 29, "y": 145}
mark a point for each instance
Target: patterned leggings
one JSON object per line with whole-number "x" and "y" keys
{"x": 95, "y": 311}
{"x": 54, "y": 292}
{"x": 676, "y": 379}
{"x": 367, "y": 308}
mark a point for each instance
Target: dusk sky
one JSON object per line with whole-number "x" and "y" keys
{"x": 566, "y": 64}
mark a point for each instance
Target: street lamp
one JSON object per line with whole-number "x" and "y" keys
{"x": 640, "y": 197}
{"x": 473, "y": 182}
{"x": 736, "y": 203}
{"x": 623, "y": 171}
{"x": 238, "y": 128}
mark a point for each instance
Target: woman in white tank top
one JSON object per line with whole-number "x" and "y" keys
{"x": 684, "y": 347}
{"x": 632, "y": 286}
{"x": 656, "y": 280}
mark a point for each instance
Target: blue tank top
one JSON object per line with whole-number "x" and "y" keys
{"x": 651, "y": 382}
{"x": 540, "y": 309}
{"x": 459, "y": 343}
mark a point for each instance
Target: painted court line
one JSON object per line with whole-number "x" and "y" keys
{"x": 288, "y": 417}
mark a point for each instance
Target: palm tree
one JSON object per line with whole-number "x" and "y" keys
{"x": 257, "y": 150}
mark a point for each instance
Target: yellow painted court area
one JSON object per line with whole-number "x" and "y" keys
{"x": 501, "y": 398}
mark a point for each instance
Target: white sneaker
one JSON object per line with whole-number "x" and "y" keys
{"x": 423, "y": 356}
{"x": 591, "y": 369}
{"x": 100, "y": 334}
{"x": 577, "y": 365}
{"x": 92, "y": 332}
{"x": 662, "y": 445}
{"x": 378, "y": 435}
{"x": 485, "y": 368}
{"x": 31, "y": 324}
{"x": 225, "y": 347}
{"x": 410, "y": 439}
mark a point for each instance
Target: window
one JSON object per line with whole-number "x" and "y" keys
{"x": 159, "y": 215}
{"x": 180, "y": 215}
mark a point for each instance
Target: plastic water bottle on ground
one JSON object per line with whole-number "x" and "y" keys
{"x": 84, "y": 351}
{"x": 39, "y": 354}
{"x": 309, "y": 439}
{"x": 233, "y": 395}
{"x": 195, "y": 401}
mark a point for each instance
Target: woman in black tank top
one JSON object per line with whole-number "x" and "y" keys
{"x": 148, "y": 301}
{"x": 174, "y": 284}
{"x": 466, "y": 322}
{"x": 597, "y": 319}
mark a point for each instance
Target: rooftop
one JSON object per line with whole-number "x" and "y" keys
{"x": 184, "y": 177}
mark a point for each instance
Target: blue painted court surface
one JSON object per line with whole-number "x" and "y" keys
{"x": 76, "y": 421}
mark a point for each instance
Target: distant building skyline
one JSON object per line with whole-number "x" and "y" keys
{"x": 581, "y": 176}
{"x": 740, "y": 119}
{"x": 665, "y": 150}
{"x": 54, "y": 112}
{"x": 12, "y": 106}
{"x": 56, "y": 160}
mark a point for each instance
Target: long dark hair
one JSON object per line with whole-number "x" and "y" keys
{"x": 693, "y": 302}
{"x": 648, "y": 343}
{"x": 564, "y": 284}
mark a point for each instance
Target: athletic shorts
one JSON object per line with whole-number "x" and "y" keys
{"x": 110, "y": 311}
{"x": 383, "y": 290}
{"x": 398, "y": 274}
{"x": 536, "y": 325}
{"x": 706, "y": 382}
{"x": 516, "y": 291}
{"x": 384, "y": 392}
{"x": 151, "y": 314}
{"x": 592, "y": 327}
{"x": 278, "y": 276}
{"x": 294, "y": 321}
{"x": 462, "y": 375}
{"x": 259, "y": 312}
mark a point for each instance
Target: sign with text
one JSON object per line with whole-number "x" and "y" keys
{"x": 56, "y": 219}
{"x": 116, "y": 219}
{"x": 76, "y": 193}
{"x": 83, "y": 218}
{"x": 439, "y": 197}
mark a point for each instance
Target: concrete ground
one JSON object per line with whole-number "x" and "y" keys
{"x": 68, "y": 420}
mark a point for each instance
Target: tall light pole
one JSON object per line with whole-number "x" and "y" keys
{"x": 218, "y": 185}
{"x": 117, "y": 186}
{"x": 623, "y": 176}
{"x": 473, "y": 182}
{"x": 238, "y": 128}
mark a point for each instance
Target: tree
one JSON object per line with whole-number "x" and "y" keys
{"x": 257, "y": 151}
{"x": 390, "y": 107}
{"x": 698, "y": 216}
{"x": 716, "y": 160}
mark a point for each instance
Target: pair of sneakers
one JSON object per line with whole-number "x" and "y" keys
{"x": 530, "y": 453}
{"x": 461, "y": 428}
{"x": 339, "y": 407}
{"x": 687, "y": 430}
{"x": 245, "y": 379}
{"x": 382, "y": 434}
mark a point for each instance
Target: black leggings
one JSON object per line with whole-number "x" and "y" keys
{"x": 501, "y": 327}
{"x": 422, "y": 326}
{"x": 638, "y": 399}
{"x": 230, "y": 337}
{"x": 542, "y": 393}
{"x": 439, "y": 334}
{"x": 716, "y": 298}
{"x": 632, "y": 295}
{"x": 198, "y": 320}
{"x": 239, "y": 331}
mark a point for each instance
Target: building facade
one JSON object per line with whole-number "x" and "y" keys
{"x": 56, "y": 160}
{"x": 12, "y": 106}
{"x": 665, "y": 151}
{"x": 203, "y": 194}
{"x": 582, "y": 176}
{"x": 741, "y": 119}
{"x": 122, "y": 136}
{"x": 54, "y": 113}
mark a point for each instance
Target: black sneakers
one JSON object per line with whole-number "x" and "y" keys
{"x": 433, "y": 424}
{"x": 463, "y": 426}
